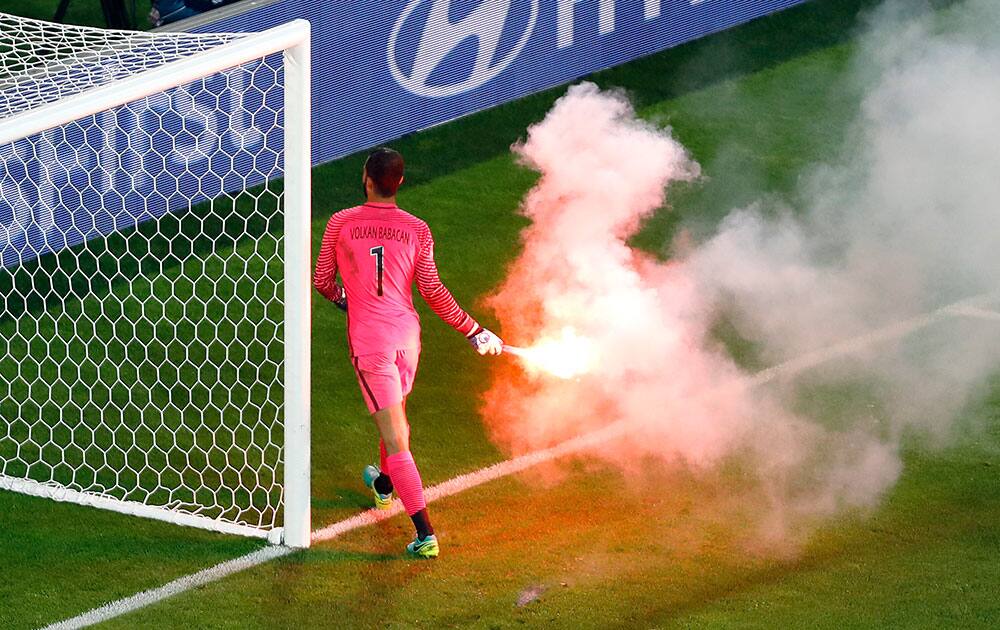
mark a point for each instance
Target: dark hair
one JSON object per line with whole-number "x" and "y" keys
{"x": 385, "y": 168}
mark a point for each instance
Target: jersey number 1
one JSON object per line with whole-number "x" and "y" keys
{"x": 379, "y": 254}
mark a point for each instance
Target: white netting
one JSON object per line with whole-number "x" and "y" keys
{"x": 41, "y": 62}
{"x": 141, "y": 292}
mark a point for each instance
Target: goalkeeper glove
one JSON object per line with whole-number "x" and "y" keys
{"x": 485, "y": 342}
{"x": 341, "y": 300}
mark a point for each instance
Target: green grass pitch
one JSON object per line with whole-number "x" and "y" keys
{"x": 651, "y": 554}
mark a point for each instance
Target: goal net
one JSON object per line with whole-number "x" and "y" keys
{"x": 154, "y": 273}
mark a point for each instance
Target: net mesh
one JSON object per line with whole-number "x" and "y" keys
{"x": 141, "y": 299}
{"x": 41, "y": 62}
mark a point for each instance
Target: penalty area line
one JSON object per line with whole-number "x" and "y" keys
{"x": 969, "y": 307}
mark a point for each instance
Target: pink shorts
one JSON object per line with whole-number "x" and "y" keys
{"x": 386, "y": 378}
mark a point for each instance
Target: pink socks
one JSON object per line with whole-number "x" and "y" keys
{"x": 406, "y": 480}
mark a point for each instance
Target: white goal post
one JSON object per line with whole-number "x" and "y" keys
{"x": 155, "y": 263}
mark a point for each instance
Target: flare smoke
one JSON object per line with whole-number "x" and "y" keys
{"x": 903, "y": 221}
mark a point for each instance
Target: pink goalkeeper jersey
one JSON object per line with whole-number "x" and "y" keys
{"x": 380, "y": 250}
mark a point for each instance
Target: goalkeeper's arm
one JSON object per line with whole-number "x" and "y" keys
{"x": 444, "y": 305}
{"x": 324, "y": 278}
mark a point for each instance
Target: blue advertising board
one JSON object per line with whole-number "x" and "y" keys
{"x": 385, "y": 68}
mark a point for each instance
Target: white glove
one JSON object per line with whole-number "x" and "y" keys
{"x": 485, "y": 342}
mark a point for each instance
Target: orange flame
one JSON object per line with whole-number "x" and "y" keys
{"x": 566, "y": 356}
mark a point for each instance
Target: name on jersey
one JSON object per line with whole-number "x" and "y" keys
{"x": 381, "y": 233}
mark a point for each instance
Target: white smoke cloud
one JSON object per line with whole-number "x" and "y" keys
{"x": 903, "y": 222}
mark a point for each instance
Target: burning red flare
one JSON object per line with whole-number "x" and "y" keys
{"x": 565, "y": 356}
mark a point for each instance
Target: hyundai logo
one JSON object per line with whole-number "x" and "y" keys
{"x": 440, "y": 36}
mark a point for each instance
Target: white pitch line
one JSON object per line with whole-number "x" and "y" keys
{"x": 476, "y": 478}
{"x": 976, "y": 313}
{"x": 896, "y": 330}
{"x": 186, "y": 583}
{"x": 508, "y": 467}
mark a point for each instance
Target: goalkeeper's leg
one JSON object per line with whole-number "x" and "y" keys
{"x": 395, "y": 431}
{"x": 383, "y": 484}
{"x": 377, "y": 479}
{"x": 386, "y": 380}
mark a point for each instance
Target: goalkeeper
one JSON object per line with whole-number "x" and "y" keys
{"x": 380, "y": 251}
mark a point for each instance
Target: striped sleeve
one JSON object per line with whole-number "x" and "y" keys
{"x": 324, "y": 278}
{"x": 437, "y": 296}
